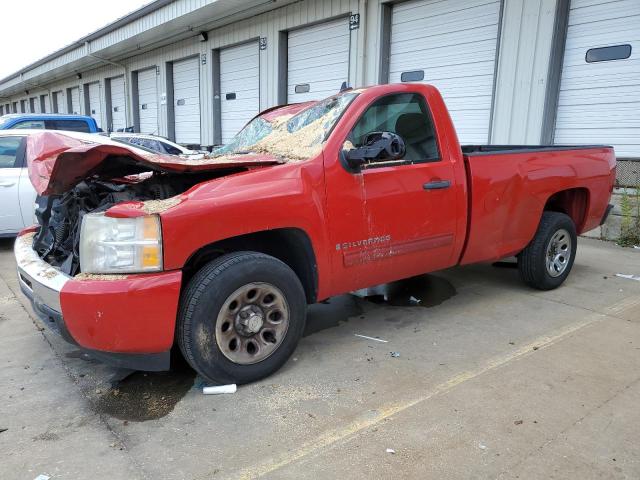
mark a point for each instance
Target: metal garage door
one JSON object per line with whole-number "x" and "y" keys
{"x": 148, "y": 101}
{"x": 451, "y": 45}
{"x": 95, "y": 109}
{"x": 600, "y": 87}
{"x": 118, "y": 111}
{"x": 186, "y": 100}
{"x": 318, "y": 60}
{"x": 239, "y": 87}
{"x": 74, "y": 94}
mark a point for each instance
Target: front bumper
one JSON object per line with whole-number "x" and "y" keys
{"x": 126, "y": 321}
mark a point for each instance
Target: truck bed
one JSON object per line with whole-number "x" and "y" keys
{"x": 509, "y": 187}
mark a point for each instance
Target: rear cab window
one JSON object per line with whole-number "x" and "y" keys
{"x": 68, "y": 125}
{"x": 170, "y": 149}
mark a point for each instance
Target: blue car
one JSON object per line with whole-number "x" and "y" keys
{"x": 49, "y": 121}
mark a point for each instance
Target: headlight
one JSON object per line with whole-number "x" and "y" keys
{"x": 120, "y": 245}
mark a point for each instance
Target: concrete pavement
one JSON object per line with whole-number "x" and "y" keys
{"x": 493, "y": 381}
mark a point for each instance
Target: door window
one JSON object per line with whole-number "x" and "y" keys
{"x": 407, "y": 115}
{"x": 10, "y": 149}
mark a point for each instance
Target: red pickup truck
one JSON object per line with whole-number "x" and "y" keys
{"x": 136, "y": 252}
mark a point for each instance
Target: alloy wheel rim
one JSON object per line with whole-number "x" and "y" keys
{"x": 252, "y": 323}
{"x": 558, "y": 253}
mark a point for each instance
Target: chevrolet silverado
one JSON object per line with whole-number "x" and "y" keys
{"x": 136, "y": 253}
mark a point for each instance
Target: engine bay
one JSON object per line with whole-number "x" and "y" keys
{"x": 60, "y": 216}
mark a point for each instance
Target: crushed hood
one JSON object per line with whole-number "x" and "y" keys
{"x": 58, "y": 161}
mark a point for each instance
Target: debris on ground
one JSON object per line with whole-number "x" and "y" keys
{"x": 395, "y": 354}
{"x": 371, "y": 338}
{"x": 220, "y": 389}
{"x": 391, "y": 451}
{"x": 628, "y": 277}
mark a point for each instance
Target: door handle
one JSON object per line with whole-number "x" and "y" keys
{"x": 7, "y": 184}
{"x": 437, "y": 185}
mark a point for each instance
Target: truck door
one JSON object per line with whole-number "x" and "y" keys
{"x": 399, "y": 218}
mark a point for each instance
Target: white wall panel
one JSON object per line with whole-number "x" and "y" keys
{"x": 47, "y": 103}
{"x": 74, "y": 94}
{"x": 523, "y": 68}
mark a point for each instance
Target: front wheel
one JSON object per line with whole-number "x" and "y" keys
{"x": 241, "y": 317}
{"x": 546, "y": 262}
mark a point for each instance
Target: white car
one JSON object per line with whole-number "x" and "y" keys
{"x": 157, "y": 144}
{"x": 17, "y": 195}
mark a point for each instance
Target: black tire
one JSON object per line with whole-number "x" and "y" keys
{"x": 200, "y": 311}
{"x": 532, "y": 261}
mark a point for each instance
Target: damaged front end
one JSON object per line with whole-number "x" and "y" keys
{"x": 77, "y": 175}
{"x": 57, "y": 241}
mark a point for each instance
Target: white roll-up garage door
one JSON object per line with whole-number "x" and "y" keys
{"x": 75, "y": 100}
{"x": 239, "y": 87}
{"x": 451, "y": 45}
{"x": 318, "y": 60}
{"x": 94, "y": 102}
{"x": 148, "y": 101}
{"x": 118, "y": 110}
{"x": 186, "y": 100}
{"x": 599, "y": 99}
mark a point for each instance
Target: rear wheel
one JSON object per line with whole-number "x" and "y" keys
{"x": 241, "y": 317}
{"x": 546, "y": 262}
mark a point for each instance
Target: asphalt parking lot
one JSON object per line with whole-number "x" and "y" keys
{"x": 493, "y": 380}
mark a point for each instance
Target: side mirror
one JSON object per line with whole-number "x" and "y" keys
{"x": 377, "y": 147}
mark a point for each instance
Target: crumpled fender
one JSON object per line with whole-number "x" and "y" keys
{"x": 58, "y": 161}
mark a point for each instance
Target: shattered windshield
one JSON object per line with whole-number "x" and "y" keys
{"x": 295, "y": 137}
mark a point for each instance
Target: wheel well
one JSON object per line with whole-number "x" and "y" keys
{"x": 572, "y": 202}
{"x": 290, "y": 245}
